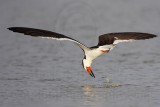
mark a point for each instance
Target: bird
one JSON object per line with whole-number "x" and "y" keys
{"x": 105, "y": 44}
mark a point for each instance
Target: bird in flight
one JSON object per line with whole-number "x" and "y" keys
{"x": 106, "y": 42}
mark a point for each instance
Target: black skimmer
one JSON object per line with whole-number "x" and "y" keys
{"x": 106, "y": 42}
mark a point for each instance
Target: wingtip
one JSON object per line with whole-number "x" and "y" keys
{"x": 155, "y": 36}
{"x": 16, "y": 29}
{"x": 10, "y": 28}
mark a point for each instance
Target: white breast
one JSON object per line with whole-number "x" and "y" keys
{"x": 94, "y": 53}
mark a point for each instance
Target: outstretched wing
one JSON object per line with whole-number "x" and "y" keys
{"x": 45, "y": 34}
{"x": 115, "y": 38}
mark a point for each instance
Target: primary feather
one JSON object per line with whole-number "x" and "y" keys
{"x": 110, "y": 38}
{"x": 45, "y": 34}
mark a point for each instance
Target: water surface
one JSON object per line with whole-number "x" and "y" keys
{"x": 37, "y": 72}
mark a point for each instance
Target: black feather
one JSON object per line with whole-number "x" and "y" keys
{"x": 111, "y": 37}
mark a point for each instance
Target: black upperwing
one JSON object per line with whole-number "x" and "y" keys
{"x": 45, "y": 34}
{"x": 110, "y": 38}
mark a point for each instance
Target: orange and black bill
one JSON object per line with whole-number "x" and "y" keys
{"x": 92, "y": 74}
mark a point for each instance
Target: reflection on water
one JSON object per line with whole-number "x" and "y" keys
{"x": 88, "y": 90}
{"x": 94, "y": 95}
{"x": 89, "y": 93}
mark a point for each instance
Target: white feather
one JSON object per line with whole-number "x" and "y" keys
{"x": 82, "y": 46}
{"x": 119, "y": 41}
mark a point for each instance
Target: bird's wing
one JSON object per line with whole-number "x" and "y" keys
{"x": 45, "y": 34}
{"x": 115, "y": 38}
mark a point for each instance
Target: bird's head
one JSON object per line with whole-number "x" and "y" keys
{"x": 87, "y": 66}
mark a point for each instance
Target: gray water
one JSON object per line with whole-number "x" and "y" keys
{"x": 36, "y": 72}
